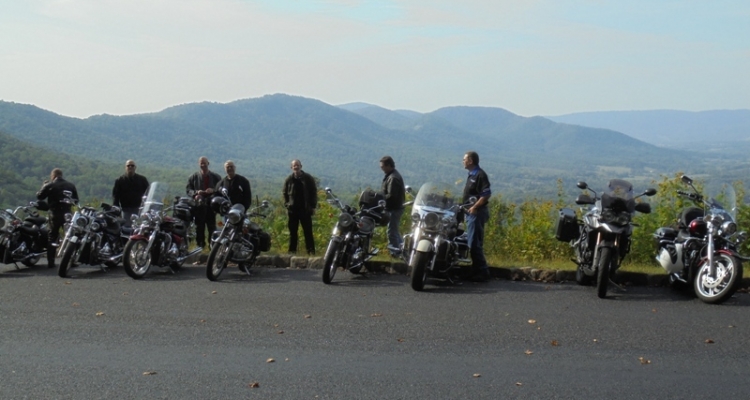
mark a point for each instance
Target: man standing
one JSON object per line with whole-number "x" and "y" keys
{"x": 54, "y": 191}
{"x": 477, "y": 185}
{"x": 237, "y": 185}
{"x": 201, "y": 187}
{"x": 395, "y": 194}
{"x": 128, "y": 191}
{"x": 300, "y": 199}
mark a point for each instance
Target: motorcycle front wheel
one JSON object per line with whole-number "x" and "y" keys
{"x": 217, "y": 260}
{"x": 602, "y": 279}
{"x": 718, "y": 289}
{"x": 67, "y": 260}
{"x": 419, "y": 272}
{"x": 135, "y": 259}
{"x": 329, "y": 262}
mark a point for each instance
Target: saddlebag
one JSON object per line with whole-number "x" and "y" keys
{"x": 370, "y": 198}
{"x": 566, "y": 228}
{"x": 264, "y": 241}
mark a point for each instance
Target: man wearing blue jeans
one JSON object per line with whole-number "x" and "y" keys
{"x": 477, "y": 185}
{"x": 395, "y": 193}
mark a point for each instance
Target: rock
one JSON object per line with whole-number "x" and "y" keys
{"x": 298, "y": 263}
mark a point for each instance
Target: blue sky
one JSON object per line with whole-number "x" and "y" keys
{"x": 534, "y": 57}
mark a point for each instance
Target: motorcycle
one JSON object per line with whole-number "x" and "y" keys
{"x": 702, "y": 251}
{"x": 437, "y": 247}
{"x": 240, "y": 240}
{"x": 602, "y": 238}
{"x": 23, "y": 234}
{"x": 159, "y": 240}
{"x": 93, "y": 237}
{"x": 349, "y": 246}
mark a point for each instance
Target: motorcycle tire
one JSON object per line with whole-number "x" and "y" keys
{"x": 602, "y": 279}
{"x": 217, "y": 260}
{"x": 581, "y": 277}
{"x": 329, "y": 263}
{"x": 728, "y": 276}
{"x": 419, "y": 271}
{"x": 67, "y": 261}
{"x": 135, "y": 260}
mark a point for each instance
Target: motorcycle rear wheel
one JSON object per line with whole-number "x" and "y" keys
{"x": 602, "y": 279}
{"x": 217, "y": 261}
{"x": 419, "y": 272}
{"x": 720, "y": 289}
{"x": 67, "y": 260}
{"x": 135, "y": 259}
{"x": 329, "y": 263}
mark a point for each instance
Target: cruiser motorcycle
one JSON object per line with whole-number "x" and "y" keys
{"x": 702, "y": 251}
{"x": 159, "y": 240}
{"x": 23, "y": 234}
{"x": 93, "y": 238}
{"x": 602, "y": 238}
{"x": 350, "y": 241}
{"x": 240, "y": 240}
{"x": 437, "y": 247}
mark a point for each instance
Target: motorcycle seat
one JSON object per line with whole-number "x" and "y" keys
{"x": 29, "y": 229}
{"x": 38, "y": 221}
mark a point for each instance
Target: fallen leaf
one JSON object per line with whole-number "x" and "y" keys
{"x": 254, "y": 385}
{"x": 653, "y": 310}
{"x": 477, "y": 375}
{"x": 270, "y": 360}
{"x": 709, "y": 341}
{"x": 532, "y": 321}
{"x": 555, "y": 343}
{"x": 644, "y": 361}
{"x": 400, "y": 340}
{"x": 149, "y": 373}
{"x": 76, "y": 305}
{"x": 731, "y": 326}
{"x": 280, "y": 332}
{"x": 539, "y": 328}
{"x": 519, "y": 384}
{"x": 67, "y": 282}
{"x": 100, "y": 313}
{"x": 596, "y": 340}
{"x": 528, "y": 352}
{"x": 214, "y": 292}
{"x": 203, "y": 320}
{"x": 275, "y": 325}
{"x": 308, "y": 316}
{"x": 286, "y": 359}
{"x": 376, "y": 315}
{"x": 124, "y": 293}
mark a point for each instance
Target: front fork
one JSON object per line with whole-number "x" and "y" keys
{"x": 602, "y": 242}
{"x": 710, "y": 249}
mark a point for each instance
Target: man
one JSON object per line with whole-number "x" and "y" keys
{"x": 128, "y": 191}
{"x": 477, "y": 185}
{"x": 237, "y": 185}
{"x": 395, "y": 194}
{"x": 300, "y": 199}
{"x": 54, "y": 191}
{"x": 201, "y": 186}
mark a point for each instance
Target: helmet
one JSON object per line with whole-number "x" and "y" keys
{"x": 670, "y": 258}
{"x": 220, "y": 205}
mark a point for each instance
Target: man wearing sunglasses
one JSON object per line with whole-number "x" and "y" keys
{"x": 128, "y": 191}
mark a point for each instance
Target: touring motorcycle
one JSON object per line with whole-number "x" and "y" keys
{"x": 702, "y": 251}
{"x": 93, "y": 238}
{"x": 240, "y": 240}
{"x": 159, "y": 240}
{"x": 602, "y": 238}
{"x": 23, "y": 234}
{"x": 437, "y": 247}
{"x": 349, "y": 246}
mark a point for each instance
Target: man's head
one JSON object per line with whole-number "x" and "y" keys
{"x": 229, "y": 168}
{"x": 471, "y": 160}
{"x": 296, "y": 167}
{"x": 387, "y": 164}
{"x": 56, "y": 173}
{"x": 130, "y": 167}
{"x": 203, "y": 164}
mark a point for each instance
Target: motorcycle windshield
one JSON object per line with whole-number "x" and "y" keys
{"x": 436, "y": 197}
{"x": 619, "y": 195}
{"x": 157, "y": 193}
{"x": 723, "y": 202}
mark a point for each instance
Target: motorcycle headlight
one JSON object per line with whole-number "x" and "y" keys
{"x": 234, "y": 217}
{"x": 81, "y": 222}
{"x": 415, "y": 218}
{"x": 431, "y": 221}
{"x": 68, "y": 217}
{"x": 728, "y": 228}
{"x": 623, "y": 218}
{"x": 345, "y": 220}
{"x": 95, "y": 226}
{"x": 741, "y": 237}
{"x": 366, "y": 225}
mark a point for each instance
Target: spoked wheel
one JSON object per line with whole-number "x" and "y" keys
{"x": 217, "y": 261}
{"x": 419, "y": 271}
{"x": 329, "y": 262}
{"x": 67, "y": 260}
{"x": 135, "y": 259}
{"x": 717, "y": 289}
{"x": 602, "y": 279}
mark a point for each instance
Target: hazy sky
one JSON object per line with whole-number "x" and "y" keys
{"x": 546, "y": 57}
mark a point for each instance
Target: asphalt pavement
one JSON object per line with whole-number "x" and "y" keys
{"x": 283, "y": 334}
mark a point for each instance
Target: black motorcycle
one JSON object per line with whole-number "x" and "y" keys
{"x": 23, "y": 234}
{"x": 602, "y": 239}
{"x": 349, "y": 247}
{"x": 93, "y": 238}
{"x": 240, "y": 240}
{"x": 437, "y": 247}
{"x": 702, "y": 251}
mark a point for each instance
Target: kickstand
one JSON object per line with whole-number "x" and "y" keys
{"x": 621, "y": 288}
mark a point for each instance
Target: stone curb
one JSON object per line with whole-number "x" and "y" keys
{"x": 513, "y": 274}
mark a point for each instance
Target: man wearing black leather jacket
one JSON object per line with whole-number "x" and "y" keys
{"x": 59, "y": 204}
{"x": 201, "y": 186}
{"x": 128, "y": 191}
{"x": 237, "y": 185}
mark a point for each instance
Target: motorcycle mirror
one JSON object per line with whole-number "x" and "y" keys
{"x": 408, "y": 189}
{"x": 643, "y": 207}
{"x": 225, "y": 192}
{"x": 686, "y": 180}
{"x": 650, "y": 192}
{"x": 328, "y": 190}
{"x": 584, "y": 199}
{"x": 582, "y": 185}
{"x": 381, "y": 203}
{"x": 472, "y": 199}
{"x": 264, "y": 204}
